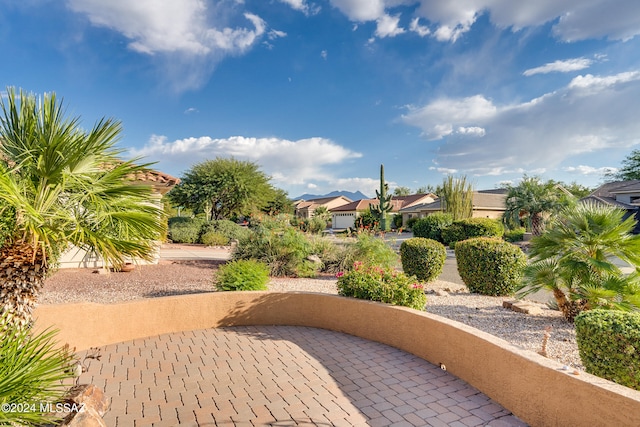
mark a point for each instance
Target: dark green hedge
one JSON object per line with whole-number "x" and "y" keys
{"x": 609, "y": 345}
{"x": 431, "y": 226}
{"x": 490, "y": 266}
{"x": 423, "y": 258}
{"x": 471, "y": 227}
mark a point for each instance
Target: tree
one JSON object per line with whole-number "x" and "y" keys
{"x": 323, "y": 213}
{"x": 401, "y": 191}
{"x": 457, "y": 197}
{"x": 279, "y": 203}
{"x": 426, "y": 189}
{"x": 533, "y": 200}
{"x": 574, "y": 259}
{"x": 223, "y": 188}
{"x": 630, "y": 169}
{"x": 65, "y": 186}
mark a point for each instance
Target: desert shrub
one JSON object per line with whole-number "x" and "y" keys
{"x": 367, "y": 220}
{"x": 368, "y": 249}
{"x": 213, "y": 238}
{"x": 33, "y": 373}
{"x": 490, "y": 266}
{"x": 397, "y": 221}
{"x": 411, "y": 222}
{"x": 228, "y": 229}
{"x": 609, "y": 345}
{"x": 185, "y": 232}
{"x": 330, "y": 254}
{"x": 423, "y": 258}
{"x": 284, "y": 252}
{"x": 381, "y": 284}
{"x": 431, "y": 226}
{"x": 242, "y": 275}
{"x": 471, "y": 227}
{"x": 315, "y": 225}
{"x": 515, "y": 235}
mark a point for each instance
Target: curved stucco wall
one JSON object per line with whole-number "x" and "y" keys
{"x": 529, "y": 385}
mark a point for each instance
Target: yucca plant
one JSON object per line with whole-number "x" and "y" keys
{"x": 575, "y": 257}
{"x": 34, "y": 375}
{"x": 65, "y": 186}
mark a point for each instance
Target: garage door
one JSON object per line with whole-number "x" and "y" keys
{"x": 343, "y": 220}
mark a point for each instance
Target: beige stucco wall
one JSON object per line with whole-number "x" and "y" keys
{"x": 529, "y": 385}
{"x": 487, "y": 213}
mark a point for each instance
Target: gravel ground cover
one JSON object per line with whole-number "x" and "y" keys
{"x": 451, "y": 300}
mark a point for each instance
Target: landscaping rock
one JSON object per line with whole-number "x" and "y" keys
{"x": 88, "y": 417}
{"x": 524, "y": 307}
{"x": 89, "y": 395}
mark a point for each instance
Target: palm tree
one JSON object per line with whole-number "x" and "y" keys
{"x": 64, "y": 186}
{"x": 578, "y": 260}
{"x": 533, "y": 200}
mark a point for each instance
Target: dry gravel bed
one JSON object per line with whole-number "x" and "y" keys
{"x": 185, "y": 277}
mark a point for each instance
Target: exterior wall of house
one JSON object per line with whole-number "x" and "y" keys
{"x": 486, "y": 213}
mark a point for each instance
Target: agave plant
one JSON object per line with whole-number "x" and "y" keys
{"x": 34, "y": 375}
{"x": 578, "y": 259}
{"x": 64, "y": 186}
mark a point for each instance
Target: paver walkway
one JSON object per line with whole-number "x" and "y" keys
{"x": 281, "y": 376}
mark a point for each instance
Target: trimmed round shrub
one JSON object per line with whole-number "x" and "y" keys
{"x": 423, "y": 258}
{"x": 243, "y": 275}
{"x": 471, "y": 227}
{"x": 381, "y": 284}
{"x": 184, "y": 232}
{"x": 609, "y": 345}
{"x": 490, "y": 266}
{"x": 212, "y": 238}
{"x": 431, "y": 226}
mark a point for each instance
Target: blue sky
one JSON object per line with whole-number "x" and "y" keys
{"x": 319, "y": 93}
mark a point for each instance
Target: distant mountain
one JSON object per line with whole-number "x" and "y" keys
{"x": 353, "y": 196}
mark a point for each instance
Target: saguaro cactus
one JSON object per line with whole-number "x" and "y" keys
{"x": 384, "y": 202}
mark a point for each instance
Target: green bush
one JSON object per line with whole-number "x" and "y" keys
{"x": 212, "y": 238}
{"x": 411, "y": 222}
{"x": 367, "y": 221}
{"x": 397, "y": 221}
{"x": 423, "y": 258}
{"x": 33, "y": 373}
{"x": 184, "y": 233}
{"x": 471, "y": 227}
{"x": 228, "y": 229}
{"x": 490, "y": 266}
{"x": 515, "y": 235}
{"x": 243, "y": 275}
{"x": 432, "y": 225}
{"x": 368, "y": 249}
{"x": 381, "y": 284}
{"x": 284, "y": 252}
{"x": 609, "y": 345}
{"x": 315, "y": 225}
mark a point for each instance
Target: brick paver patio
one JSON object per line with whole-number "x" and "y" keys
{"x": 281, "y": 376}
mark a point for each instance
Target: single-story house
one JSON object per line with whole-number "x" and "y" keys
{"x": 304, "y": 208}
{"x": 620, "y": 194}
{"x": 485, "y": 204}
{"x": 345, "y": 216}
{"x": 161, "y": 184}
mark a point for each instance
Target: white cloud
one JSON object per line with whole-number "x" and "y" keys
{"x": 438, "y": 118}
{"x": 574, "y": 19}
{"x": 591, "y": 113}
{"x": 421, "y": 30}
{"x": 189, "y": 37}
{"x": 471, "y": 130}
{"x": 324, "y": 54}
{"x": 287, "y": 162}
{"x": 388, "y": 26}
{"x": 445, "y": 171}
{"x": 565, "y": 66}
{"x": 191, "y": 110}
{"x": 303, "y": 6}
{"x": 590, "y": 170}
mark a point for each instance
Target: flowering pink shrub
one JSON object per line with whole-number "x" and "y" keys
{"x": 381, "y": 284}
